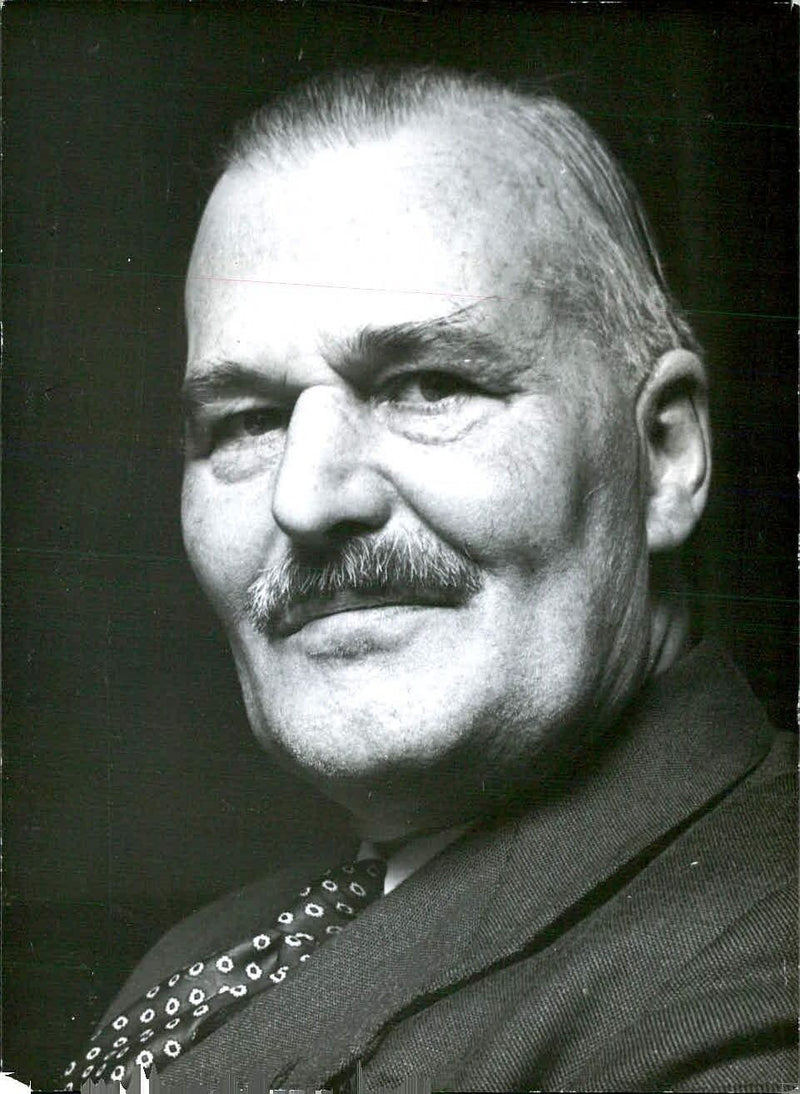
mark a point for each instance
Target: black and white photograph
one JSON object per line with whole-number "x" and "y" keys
{"x": 400, "y": 608}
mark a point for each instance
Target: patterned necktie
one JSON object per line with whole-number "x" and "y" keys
{"x": 174, "y": 1015}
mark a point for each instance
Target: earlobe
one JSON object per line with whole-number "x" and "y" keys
{"x": 672, "y": 418}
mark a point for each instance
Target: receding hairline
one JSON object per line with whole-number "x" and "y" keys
{"x": 527, "y": 126}
{"x": 362, "y": 105}
{"x": 349, "y": 104}
{"x": 612, "y": 280}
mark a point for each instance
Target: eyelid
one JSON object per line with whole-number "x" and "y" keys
{"x": 421, "y": 372}
{"x": 206, "y": 424}
{"x": 205, "y": 420}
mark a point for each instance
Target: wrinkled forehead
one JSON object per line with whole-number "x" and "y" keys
{"x": 428, "y": 220}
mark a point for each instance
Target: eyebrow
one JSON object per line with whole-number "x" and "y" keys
{"x": 437, "y": 341}
{"x": 219, "y": 380}
{"x": 372, "y": 349}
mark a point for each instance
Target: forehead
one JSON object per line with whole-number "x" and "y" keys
{"x": 391, "y": 230}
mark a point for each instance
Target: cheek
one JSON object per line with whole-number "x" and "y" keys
{"x": 224, "y": 537}
{"x": 501, "y": 496}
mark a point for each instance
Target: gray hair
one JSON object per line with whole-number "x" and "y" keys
{"x": 608, "y": 282}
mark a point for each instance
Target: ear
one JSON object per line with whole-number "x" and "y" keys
{"x": 672, "y": 418}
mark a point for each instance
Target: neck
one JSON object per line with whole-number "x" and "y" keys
{"x": 387, "y": 846}
{"x": 669, "y": 630}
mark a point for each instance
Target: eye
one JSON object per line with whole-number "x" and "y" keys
{"x": 428, "y": 387}
{"x": 246, "y": 424}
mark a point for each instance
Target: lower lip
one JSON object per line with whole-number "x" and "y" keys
{"x": 362, "y": 631}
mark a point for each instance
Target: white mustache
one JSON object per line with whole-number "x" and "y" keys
{"x": 409, "y": 570}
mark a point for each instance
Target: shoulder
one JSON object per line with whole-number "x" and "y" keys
{"x": 715, "y": 930}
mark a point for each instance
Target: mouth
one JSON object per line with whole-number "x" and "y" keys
{"x": 300, "y": 613}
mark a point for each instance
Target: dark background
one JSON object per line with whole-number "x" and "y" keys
{"x": 133, "y": 791}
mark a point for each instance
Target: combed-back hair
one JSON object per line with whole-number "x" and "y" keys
{"x": 606, "y": 278}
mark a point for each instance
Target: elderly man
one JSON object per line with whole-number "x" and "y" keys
{"x": 446, "y": 431}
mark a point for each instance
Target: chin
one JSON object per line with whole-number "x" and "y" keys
{"x": 371, "y": 736}
{"x": 315, "y": 743}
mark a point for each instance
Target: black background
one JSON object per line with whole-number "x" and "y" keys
{"x": 133, "y": 791}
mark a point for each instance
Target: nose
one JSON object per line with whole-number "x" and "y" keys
{"x": 327, "y": 484}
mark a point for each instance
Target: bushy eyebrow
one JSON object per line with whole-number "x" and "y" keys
{"x": 437, "y": 343}
{"x": 222, "y": 380}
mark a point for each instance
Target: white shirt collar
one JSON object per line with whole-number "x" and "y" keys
{"x": 411, "y": 855}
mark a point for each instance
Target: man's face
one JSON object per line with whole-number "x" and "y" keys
{"x": 371, "y": 390}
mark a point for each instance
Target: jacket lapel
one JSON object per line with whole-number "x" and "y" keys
{"x": 325, "y": 1015}
{"x": 501, "y": 891}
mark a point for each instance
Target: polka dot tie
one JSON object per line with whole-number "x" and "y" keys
{"x": 174, "y": 1015}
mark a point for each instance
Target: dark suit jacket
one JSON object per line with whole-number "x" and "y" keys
{"x": 635, "y": 932}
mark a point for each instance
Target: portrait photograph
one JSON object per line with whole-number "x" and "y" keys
{"x": 399, "y": 600}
